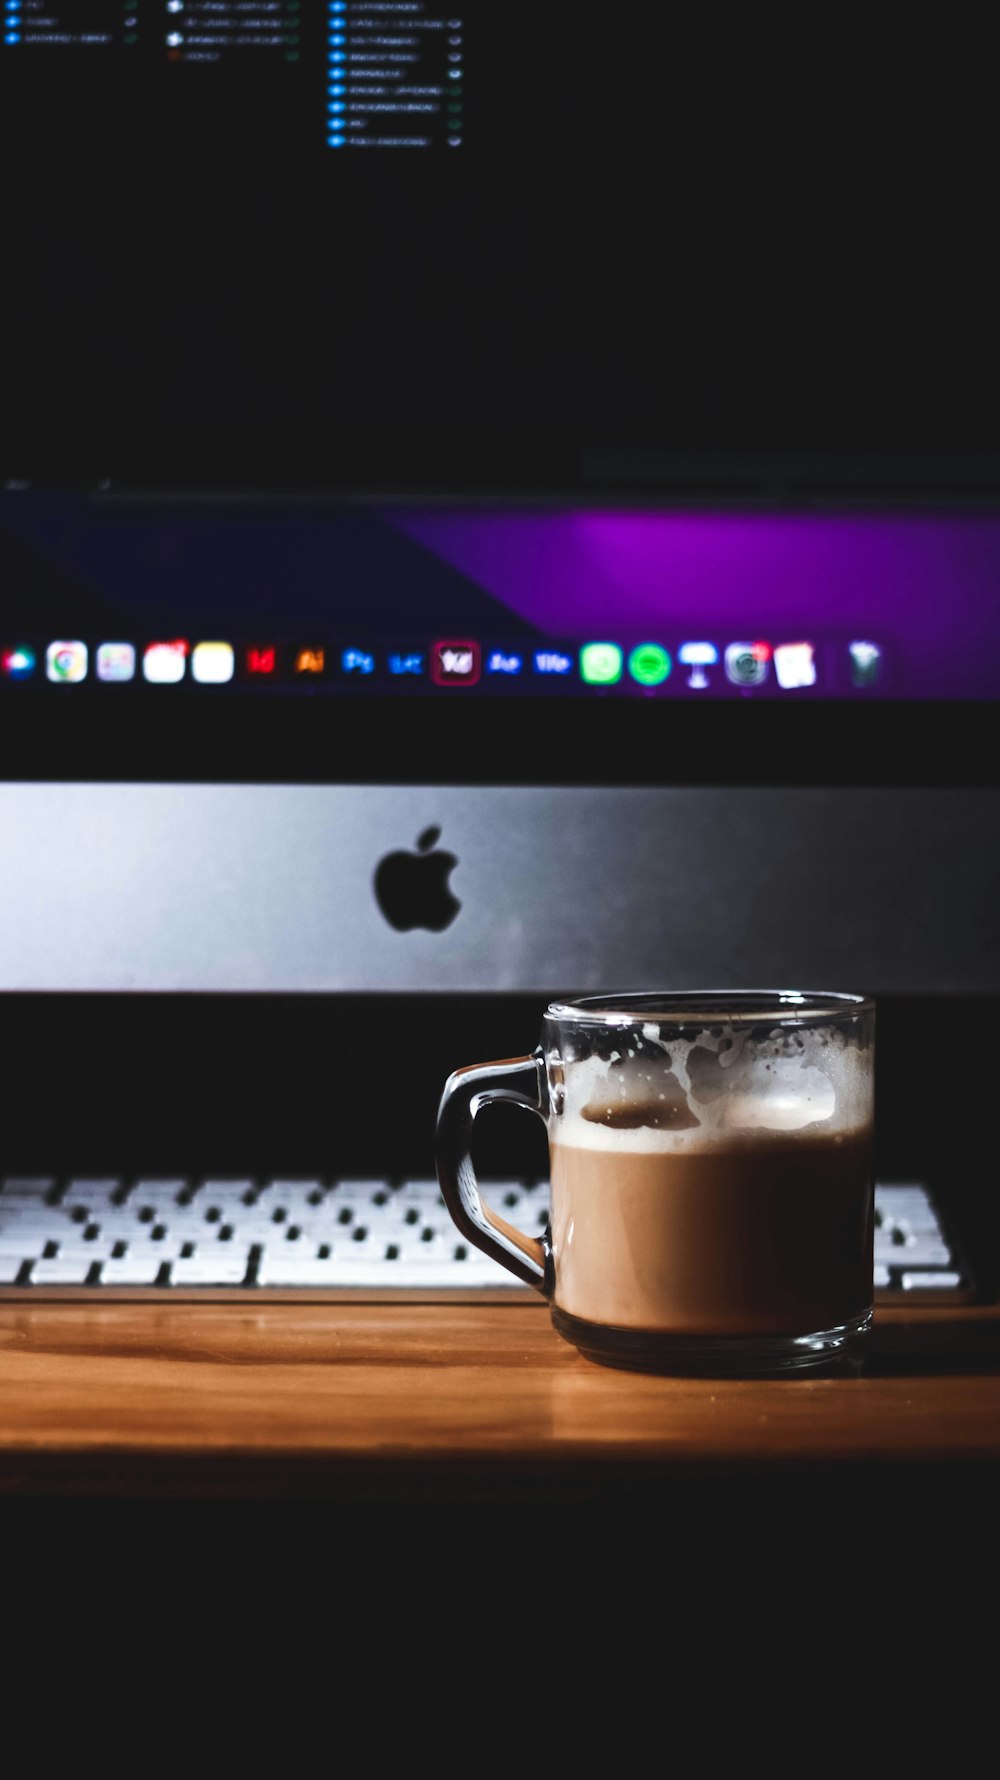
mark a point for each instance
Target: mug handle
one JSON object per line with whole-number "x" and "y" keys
{"x": 521, "y": 1082}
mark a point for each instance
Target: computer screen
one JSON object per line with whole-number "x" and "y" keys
{"x": 277, "y": 600}
{"x": 406, "y": 246}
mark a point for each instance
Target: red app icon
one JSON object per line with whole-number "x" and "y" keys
{"x": 262, "y": 660}
{"x": 455, "y": 662}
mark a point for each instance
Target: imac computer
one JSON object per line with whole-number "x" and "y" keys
{"x": 486, "y": 515}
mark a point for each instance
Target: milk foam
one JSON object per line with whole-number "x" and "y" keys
{"x": 729, "y": 1084}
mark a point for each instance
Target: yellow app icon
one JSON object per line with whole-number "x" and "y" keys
{"x": 213, "y": 663}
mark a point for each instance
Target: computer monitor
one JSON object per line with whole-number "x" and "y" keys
{"x": 441, "y": 434}
{"x": 246, "y": 742}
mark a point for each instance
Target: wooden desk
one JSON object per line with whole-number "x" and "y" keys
{"x": 371, "y": 1401}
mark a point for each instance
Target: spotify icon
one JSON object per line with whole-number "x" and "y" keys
{"x": 649, "y": 663}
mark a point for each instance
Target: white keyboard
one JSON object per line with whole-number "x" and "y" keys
{"x": 129, "y": 1236}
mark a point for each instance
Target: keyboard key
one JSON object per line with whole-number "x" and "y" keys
{"x": 419, "y": 1192}
{"x": 915, "y": 1251}
{"x": 139, "y": 1267}
{"x": 440, "y": 1248}
{"x": 938, "y": 1281}
{"x": 10, "y": 1267}
{"x": 159, "y": 1190}
{"x": 73, "y": 1244}
{"x": 305, "y": 1271}
{"x": 287, "y": 1192}
{"x": 61, "y": 1270}
{"x": 87, "y": 1191}
{"x": 215, "y": 1266}
{"x": 29, "y": 1231}
{"x": 23, "y": 1246}
{"x": 380, "y": 1275}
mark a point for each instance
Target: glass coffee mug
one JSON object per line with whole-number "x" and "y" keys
{"x": 712, "y": 1200}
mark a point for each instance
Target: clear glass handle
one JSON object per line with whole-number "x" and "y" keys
{"x": 520, "y": 1081}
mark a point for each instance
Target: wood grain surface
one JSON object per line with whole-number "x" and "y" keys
{"x": 381, "y": 1400}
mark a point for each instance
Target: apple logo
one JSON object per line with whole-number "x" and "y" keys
{"x": 412, "y": 889}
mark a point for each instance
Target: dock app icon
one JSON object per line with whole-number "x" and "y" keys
{"x": 455, "y": 663}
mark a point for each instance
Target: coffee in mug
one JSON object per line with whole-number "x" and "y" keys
{"x": 711, "y": 1194}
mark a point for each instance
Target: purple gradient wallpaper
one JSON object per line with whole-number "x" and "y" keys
{"x": 922, "y": 586}
{"x": 926, "y": 586}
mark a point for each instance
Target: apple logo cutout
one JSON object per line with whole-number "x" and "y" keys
{"x": 412, "y": 889}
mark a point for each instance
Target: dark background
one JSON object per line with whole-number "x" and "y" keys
{"x": 676, "y": 251}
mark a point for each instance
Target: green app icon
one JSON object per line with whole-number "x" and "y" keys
{"x": 650, "y": 664}
{"x": 601, "y": 663}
